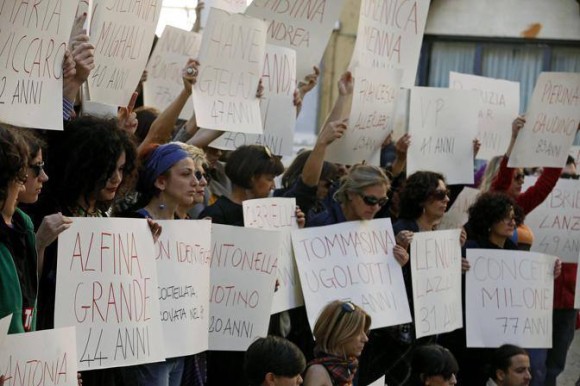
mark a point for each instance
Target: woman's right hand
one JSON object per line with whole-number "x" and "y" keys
{"x": 404, "y": 238}
{"x": 51, "y": 226}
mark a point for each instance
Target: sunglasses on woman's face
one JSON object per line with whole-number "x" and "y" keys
{"x": 440, "y": 194}
{"x": 199, "y": 175}
{"x": 372, "y": 200}
{"x": 37, "y": 169}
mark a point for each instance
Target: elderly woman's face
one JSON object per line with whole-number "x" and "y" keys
{"x": 366, "y": 204}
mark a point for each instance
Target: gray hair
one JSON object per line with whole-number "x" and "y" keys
{"x": 358, "y": 178}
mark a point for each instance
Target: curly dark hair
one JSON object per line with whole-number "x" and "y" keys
{"x": 86, "y": 156}
{"x": 490, "y": 208}
{"x": 251, "y": 161}
{"x": 34, "y": 142}
{"x": 13, "y": 159}
{"x": 417, "y": 189}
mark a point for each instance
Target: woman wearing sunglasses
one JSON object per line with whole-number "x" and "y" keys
{"x": 341, "y": 334}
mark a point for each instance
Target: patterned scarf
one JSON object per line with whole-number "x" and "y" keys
{"x": 341, "y": 370}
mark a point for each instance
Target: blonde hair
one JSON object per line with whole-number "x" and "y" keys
{"x": 195, "y": 153}
{"x": 335, "y": 326}
{"x": 360, "y": 177}
{"x": 490, "y": 173}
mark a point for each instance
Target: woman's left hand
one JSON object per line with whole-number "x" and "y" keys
{"x": 465, "y": 265}
{"x": 300, "y": 217}
{"x": 462, "y": 237}
{"x": 401, "y": 255}
{"x": 557, "y": 268}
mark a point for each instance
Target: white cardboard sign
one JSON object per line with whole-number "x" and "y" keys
{"x": 551, "y": 122}
{"x": 352, "y": 260}
{"x": 232, "y": 6}
{"x": 106, "y": 287}
{"x": 499, "y": 106}
{"x": 4, "y": 327}
{"x": 575, "y": 153}
{"x": 458, "y": 214}
{"x": 510, "y": 295}
{"x": 443, "y": 125}
{"x": 183, "y": 258}
{"x": 244, "y": 264}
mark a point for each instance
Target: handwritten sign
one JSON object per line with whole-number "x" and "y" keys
{"x": 183, "y": 257}
{"x": 276, "y": 106}
{"x": 390, "y": 36}
{"x": 551, "y": 122}
{"x": 379, "y": 382}
{"x": 436, "y": 273}
{"x": 371, "y": 116}
{"x": 499, "y": 106}
{"x": 231, "y": 6}
{"x": 352, "y": 260}
{"x": 279, "y": 214}
{"x": 443, "y": 125}
{"x": 106, "y": 287}
{"x": 123, "y": 35}
{"x": 458, "y": 214}
{"x": 511, "y": 294}
{"x": 4, "y": 326}
{"x": 575, "y": 153}
{"x": 556, "y": 222}
{"x": 244, "y": 264}
{"x": 164, "y": 70}
{"x": 232, "y": 51}
{"x": 40, "y": 358}
{"x": 34, "y": 39}
{"x": 304, "y": 26}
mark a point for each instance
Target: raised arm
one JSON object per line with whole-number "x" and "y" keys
{"x": 505, "y": 175}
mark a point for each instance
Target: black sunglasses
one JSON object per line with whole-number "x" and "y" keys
{"x": 346, "y": 308}
{"x": 570, "y": 176}
{"x": 440, "y": 194}
{"x": 37, "y": 169}
{"x": 199, "y": 175}
{"x": 372, "y": 200}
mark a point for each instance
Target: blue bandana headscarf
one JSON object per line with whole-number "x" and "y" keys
{"x": 162, "y": 159}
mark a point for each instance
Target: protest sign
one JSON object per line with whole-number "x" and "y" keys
{"x": 46, "y": 357}
{"x": 244, "y": 264}
{"x": 278, "y": 214}
{"x": 183, "y": 257}
{"x": 371, "y": 116}
{"x": 106, "y": 287}
{"x": 379, "y": 382}
{"x": 556, "y": 221}
{"x": 436, "y": 273}
{"x": 231, "y": 54}
{"x": 4, "y": 326}
{"x": 575, "y": 153}
{"x": 458, "y": 214}
{"x": 510, "y": 298}
{"x": 231, "y": 6}
{"x": 352, "y": 261}
{"x": 551, "y": 122}
{"x": 443, "y": 125}
{"x": 164, "y": 69}
{"x": 123, "y": 35}
{"x": 304, "y": 26}
{"x": 34, "y": 39}
{"x": 390, "y": 36}
{"x": 276, "y": 106}
{"x": 499, "y": 106}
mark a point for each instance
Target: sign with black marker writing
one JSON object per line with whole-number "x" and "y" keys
{"x": 458, "y": 214}
{"x": 499, "y": 106}
{"x": 352, "y": 260}
{"x": 244, "y": 265}
{"x": 232, "y": 6}
{"x": 46, "y": 357}
{"x": 510, "y": 298}
{"x": 443, "y": 125}
{"x": 34, "y": 39}
{"x": 107, "y": 287}
{"x": 436, "y": 272}
{"x": 575, "y": 153}
{"x": 183, "y": 258}
{"x": 551, "y": 122}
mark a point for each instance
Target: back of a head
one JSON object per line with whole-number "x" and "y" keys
{"x": 251, "y": 161}
{"x": 432, "y": 360}
{"x": 274, "y": 355}
{"x": 360, "y": 177}
{"x": 502, "y": 358}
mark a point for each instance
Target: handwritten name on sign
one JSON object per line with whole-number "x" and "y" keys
{"x": 244, "y": 264}
{"x": 390, "y": 35}
{"x": 304, "y": 26}
{"x": 34, "y": 39}
{"x": 556, "y": 222}
{"x": 499, "y": 106}
{"x": 164, "y": 69}
{"x": 40, "y": 358}
{"x": 279, "y": 214}
{"x": 122, "y": 32}
{"x": 106, "y": 287}
{"x": 183, "y": 258}
{"x": 511, "y": 295}
{"x": 352, "y": 260}
{"x": 458, "y": 215}
{"x": 231, "y": 54}
{"x": 443, "y": 125}
{"x": 231, "y": 6}
{"x": 373, "y": 106}
{"x": 276, "y": 106}
{"x": 551, "y": 122}
{"x": 436, "y": 273}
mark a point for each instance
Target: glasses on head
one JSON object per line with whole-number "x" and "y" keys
{"x": 441, "y": 194}
{"x": 372, "y": 200}
{"x": 346, "y": 308}
{"x": 199, "y": 176}
{"x": 37, "y": 169}
{"x": 519, "y": 176}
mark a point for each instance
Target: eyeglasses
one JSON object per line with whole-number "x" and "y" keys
{"x": 372, "y": 200}
{"x": 37, "y": 169}
{"x": 519, "y": 176}
{"x": 508, "y": 220}
{"x": 570, "y": 176}
{"x": 199, "y": 176}
{"x": 440, "y": 194}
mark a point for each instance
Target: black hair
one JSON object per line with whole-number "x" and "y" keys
{"x": 294, "y": 171}
{"x": 417, "y": 189}
{"x": 34, "y": 142}
{"x": 431, "y": 360}
{"x": 570, "y": 160}
{"x": 13, "y": 159}
{"x": 488, "y": 209}
{"x": 501, "y": 358}
{"x": 251, "y": 161}
{"x": 145, "y": 118}
{"x": 275, "y": 355}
